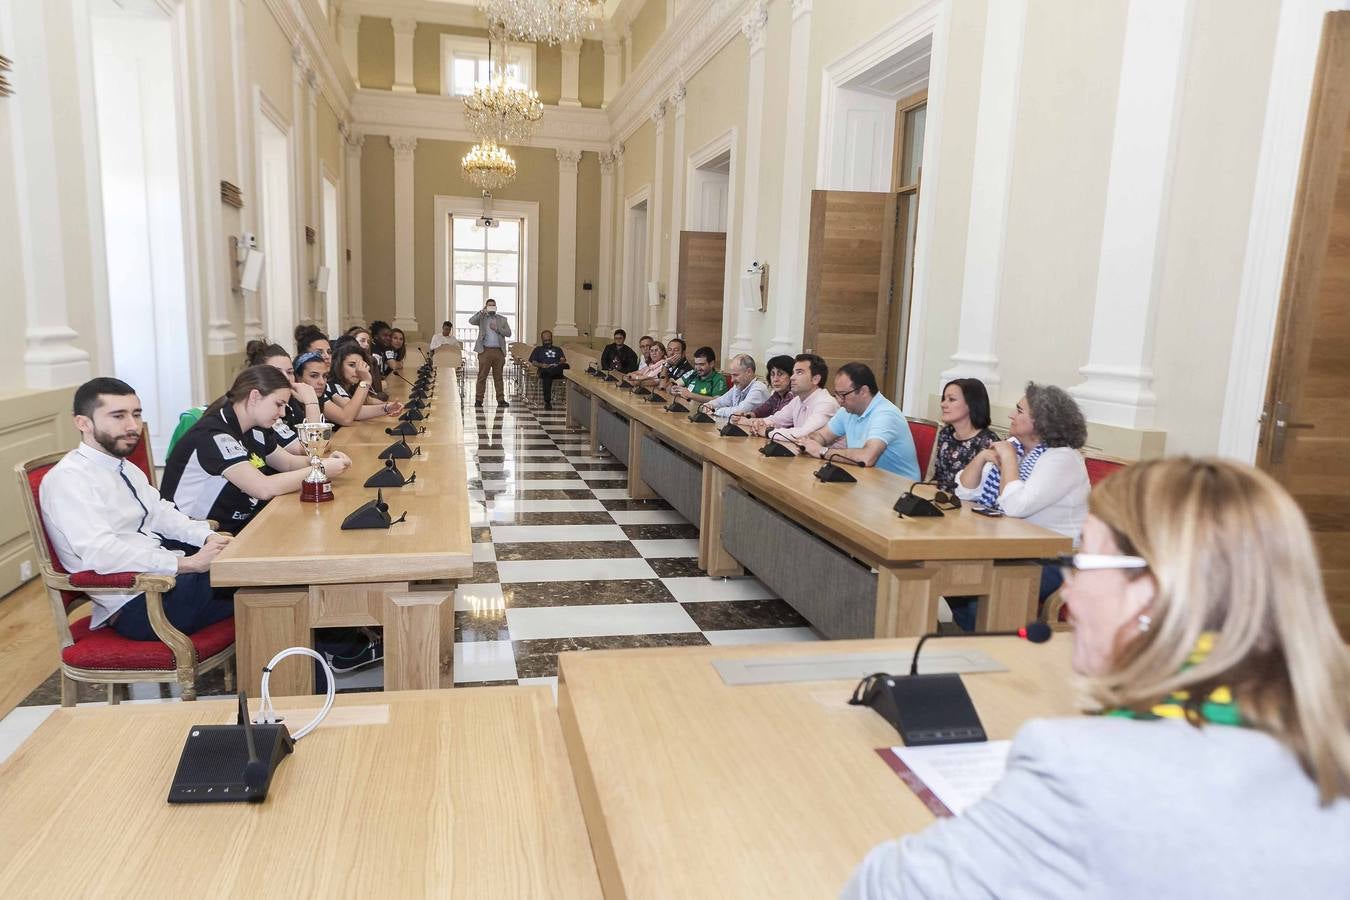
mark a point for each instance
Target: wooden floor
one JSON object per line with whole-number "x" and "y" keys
{"x": 28, "y": 650}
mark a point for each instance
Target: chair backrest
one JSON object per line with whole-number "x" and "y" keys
{"x": 30, "y": 476}
{"x": 142, "y": 457}
{"x": 925, "y": 434}
{"x": 1098, "y": 467}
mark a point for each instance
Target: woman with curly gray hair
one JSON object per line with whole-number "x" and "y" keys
{"x": 1037, "y": 474}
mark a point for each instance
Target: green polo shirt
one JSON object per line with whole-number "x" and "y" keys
{"x": 714, "y": 384}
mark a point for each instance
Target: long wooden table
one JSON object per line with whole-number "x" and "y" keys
{"x": 409, "y": 794}
{"x": 297, "y": 570}
{"x": 917, "y": 560}
{"x": 692, "y": 788}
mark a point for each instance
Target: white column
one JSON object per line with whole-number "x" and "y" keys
{"x": 404, "y": 307}
{"x": 571, "y": 74}
{"x": 613, "y": 67}
{"x": 565, "y": 322}
{"x": 676, "y": 211}
{"x": 604, "y": 280}
{"x": 314, "y": 184}
{"x": 355, "y": 305}
{"x": 787, "y": 286}
{"x": 404, "y": 28}
{"x": 299, "y": 179}
{"x": 995, "y": 128}
{"x": 618, "y": 301}
{"x": 28, "y": 169}
{"x": 753, "y": 27}
{"x": 658, "y": 115}
{"x": 1118, "y": 385}
{"x": 349, "y": 30}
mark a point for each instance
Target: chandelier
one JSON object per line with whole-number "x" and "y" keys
{"x": 502, "y": 112}
{"x": 488, "y": 166}
{"x": 546, "y": 21}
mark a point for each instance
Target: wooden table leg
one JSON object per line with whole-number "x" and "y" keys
{"x": 637, "y": 488}
{"x": 268, "y": 620}
{"x": 907, "y": 600}
{"x": 412, "y": 640}
{"x": 1013, "y": 598}
{"x": 713, "y": 556}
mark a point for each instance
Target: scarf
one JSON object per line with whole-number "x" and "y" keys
{"x": 1218, "y": 708}
{"x": 989, "y": 490}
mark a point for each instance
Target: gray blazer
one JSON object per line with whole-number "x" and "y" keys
{"x": 1105, "y": 807}
{"x": 503, "y": 330}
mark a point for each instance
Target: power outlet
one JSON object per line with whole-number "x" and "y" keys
{"x": 26, "y": 570}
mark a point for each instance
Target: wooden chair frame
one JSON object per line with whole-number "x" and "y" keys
{"x": 187, "y": 667}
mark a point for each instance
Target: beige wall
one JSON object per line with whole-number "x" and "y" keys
{"x": 591, "y": 78}
{"x": 375, "y": 53}
{"x": 32, "y": 424}
{"x": 647, "y": 27}
{"x": 377, "y": 228}
{"x": 588, "y": 241}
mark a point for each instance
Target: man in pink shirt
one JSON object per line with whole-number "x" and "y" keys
{"x": 810, "y": 408}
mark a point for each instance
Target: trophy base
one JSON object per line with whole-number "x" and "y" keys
{"x": 316, "y": 491}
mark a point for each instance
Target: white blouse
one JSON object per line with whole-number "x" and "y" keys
{"x": 1054, "y": 497}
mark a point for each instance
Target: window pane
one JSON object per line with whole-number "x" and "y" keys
{"x": 913, "y": 158}
{"x": 505, "y": 297}
{"x": 468, "y": 298}
{"x": 468, "y": 236}
{"x": 462, "y": 322}
{"x": 468, "y": 265}
{"x": 503, "y": 267}
{"x": 505, "y": 236}
{"x": 465, "y": 68}
{"x": 484, "y": 72}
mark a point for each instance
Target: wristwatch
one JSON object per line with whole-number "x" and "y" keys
{"x": 363, "y": 384}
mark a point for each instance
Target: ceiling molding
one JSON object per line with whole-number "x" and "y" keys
{"x": 296, "y": 19}
{"x": 699, "y": 32}
{"x": 436, "y": 117}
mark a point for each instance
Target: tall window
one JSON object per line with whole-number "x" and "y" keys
{"x": 464, "y": 63}
{"x": 485, "y": 262}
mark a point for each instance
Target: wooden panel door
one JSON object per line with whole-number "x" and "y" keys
{"x": 850, "y": 261}
{"x": 1305, "y": 438}
{"x": 703, "y": 266}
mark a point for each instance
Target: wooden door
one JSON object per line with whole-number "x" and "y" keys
{"x": 703, "y": 266}
{"x": 849, "y": 267}
{"x": 1305, "y": 437}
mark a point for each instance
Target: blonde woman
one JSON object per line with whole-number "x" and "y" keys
{"x": 1217, "y": 763}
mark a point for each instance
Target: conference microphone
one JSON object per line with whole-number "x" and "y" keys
{"x": 256, "y": 772}
{"x": 933, "y": 709}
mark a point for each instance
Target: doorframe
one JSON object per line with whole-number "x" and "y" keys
{"x": 328, "y": 177}
{"x": 1278, "y": 172}
{"x": 639, "y": 305}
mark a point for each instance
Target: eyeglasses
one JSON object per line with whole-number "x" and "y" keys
{"x": 1071, "y": 563}
{"x": 843, "y": 394}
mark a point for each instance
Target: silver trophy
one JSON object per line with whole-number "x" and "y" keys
{"x": 316, "y": 436}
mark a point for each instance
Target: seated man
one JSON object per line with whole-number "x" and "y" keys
{"x": 643, "y": 343}
{"x": 549, "y": 362}
{"x": 780, "y": 391}
{"x": 746, "y": 391}
{"x": 807, "y": 412}
{"x": 103, "y": 516}
{"x": 875, "y": 430}
{"x": 653, "y": 366}
{"x": 446, "y": 338}
{"x": 704, "y": 381}
{"x": 618, "y": 357}
{"x": 677, "y": 365}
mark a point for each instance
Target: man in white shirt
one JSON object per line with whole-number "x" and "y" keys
{"x": 103, "y": 516}
{"x": 446, "y": 338}
{"x": 809, "y": 410}
{"x": 746, "y": 391}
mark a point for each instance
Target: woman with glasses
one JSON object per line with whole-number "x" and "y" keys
{"x": 1038, "y": 474}
{"x": 1216, "y": 760}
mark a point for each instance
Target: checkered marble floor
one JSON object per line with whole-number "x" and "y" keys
{"x": 565, "y": 559}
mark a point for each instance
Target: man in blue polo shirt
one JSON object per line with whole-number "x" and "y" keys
{"x": 873, "y": 427}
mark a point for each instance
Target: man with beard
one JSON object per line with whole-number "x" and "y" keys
{"x": 103, "y": 516}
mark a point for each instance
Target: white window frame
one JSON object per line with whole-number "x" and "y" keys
{"x": 528, "y": 210}
{"x": 515, "y": 318}
{"x": 467, "y": 46}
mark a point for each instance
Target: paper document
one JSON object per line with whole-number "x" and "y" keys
{"x": 953, "y": 775}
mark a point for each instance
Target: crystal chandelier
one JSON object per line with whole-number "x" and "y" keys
{"x": 501, "y": 110}
{"x": 546, "y": 21}
{"x": 488, "y": 166}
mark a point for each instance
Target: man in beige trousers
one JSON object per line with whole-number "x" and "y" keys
{"x": 493, "y": 330}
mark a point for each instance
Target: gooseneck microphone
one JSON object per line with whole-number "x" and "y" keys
{"x": 1036, "y": 632}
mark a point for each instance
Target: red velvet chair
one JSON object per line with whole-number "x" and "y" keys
{"x": 1098, "y": 467}
{"x": 925, "y": 434}
{"x": 104, "y": 656}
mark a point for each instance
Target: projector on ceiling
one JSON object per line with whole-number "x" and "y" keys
{"x": 487, "y": 222}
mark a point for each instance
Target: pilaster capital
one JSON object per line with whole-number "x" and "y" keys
{"x": 658, "y": 115}
{"x": 753, "y": 24}
{"x": 800, "y": 8}
{"x": 403, "y": 147}
{"x": 568, "y": 160}
{"x": 618, "y": 151}
{"x": 404, "y": 25}
{"x": 677, "y": 96}
{"x": 299, "y": 61}
{"x": 606, "y": 163}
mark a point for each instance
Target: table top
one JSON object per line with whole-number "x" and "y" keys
{"x": 858, "y": 516}
{"x": 415, "y": 793}
{"x": 695, "y": 789}
{"x": 291, "y": 542}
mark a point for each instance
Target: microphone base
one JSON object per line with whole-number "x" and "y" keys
{"x": 928, "y": 709}
{"x": 211, "y": 769}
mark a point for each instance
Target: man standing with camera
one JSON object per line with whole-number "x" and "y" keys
{"x": 493, "y": 330}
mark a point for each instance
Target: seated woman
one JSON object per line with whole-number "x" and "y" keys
{"x": 652, "y": 367}
{"x": 309, "y": 339}
{"x": 1218, "y": 763}
{"x": 397, "y": 350}
{"x": 965, "y": 429}
{"x": 231, "y": 463}
{"x": 1038, "y": 474}
{"x": 303, "y": 405}
{"x": 346, "y": 397}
